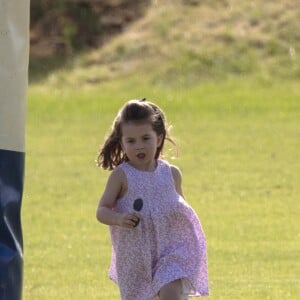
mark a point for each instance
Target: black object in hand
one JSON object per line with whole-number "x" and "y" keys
{"x": 137, "y": 206}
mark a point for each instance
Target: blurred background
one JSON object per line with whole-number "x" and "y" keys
{"x": 176, "y": 41}
{"x": 226, "y": 73}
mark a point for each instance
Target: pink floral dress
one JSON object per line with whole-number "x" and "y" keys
{"x": 167, "y": 244}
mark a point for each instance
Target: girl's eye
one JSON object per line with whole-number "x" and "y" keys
{"x": 146, "y": 138}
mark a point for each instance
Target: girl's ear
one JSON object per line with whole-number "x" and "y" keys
{"x": 159, "y": 140}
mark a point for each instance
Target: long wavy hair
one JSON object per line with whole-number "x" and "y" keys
{"x": 111, "y": 153}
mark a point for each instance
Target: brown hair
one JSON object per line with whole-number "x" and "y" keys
{"x": 111, "y": 153}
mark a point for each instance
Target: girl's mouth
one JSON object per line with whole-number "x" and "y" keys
{"x": 141, "y": 155}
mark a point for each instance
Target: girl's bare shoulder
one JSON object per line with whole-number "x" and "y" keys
{"x": 118, "y": 178}
{"x": 177, "y": 177}
{"x": 176, "y": 172}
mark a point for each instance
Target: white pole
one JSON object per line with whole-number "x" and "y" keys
{"x": 14, "y": 49}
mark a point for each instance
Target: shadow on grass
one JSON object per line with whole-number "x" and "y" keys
{"x": 41, "y": 67}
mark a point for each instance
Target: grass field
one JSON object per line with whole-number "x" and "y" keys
{"x": 238, "y": 144}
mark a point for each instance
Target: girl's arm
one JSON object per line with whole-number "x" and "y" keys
{"x": 177, "y": 179}
{"x": 114, "y": 190}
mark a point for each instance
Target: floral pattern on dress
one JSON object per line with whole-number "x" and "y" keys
{"x": 168, "y": 243}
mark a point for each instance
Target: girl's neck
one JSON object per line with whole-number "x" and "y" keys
{"x": 151, "y": 167}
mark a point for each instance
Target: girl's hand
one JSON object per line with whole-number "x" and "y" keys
{"x": 129, "y": 220}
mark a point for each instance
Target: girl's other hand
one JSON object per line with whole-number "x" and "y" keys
{"x": 129, "y": 220}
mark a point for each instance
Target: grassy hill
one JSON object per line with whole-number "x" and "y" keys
{"x": 186, "y": 42}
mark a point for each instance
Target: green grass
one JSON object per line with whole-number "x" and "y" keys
{"x": 227, "y": 75}
{"x": 238, "y": 144}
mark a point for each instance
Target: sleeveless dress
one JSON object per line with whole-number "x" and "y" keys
{"x": 167, "y": 244}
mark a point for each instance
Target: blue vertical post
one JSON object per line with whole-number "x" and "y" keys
{"x": 14, "y": 49}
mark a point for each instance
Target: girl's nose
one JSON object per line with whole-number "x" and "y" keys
{"x": 139, "y": 146}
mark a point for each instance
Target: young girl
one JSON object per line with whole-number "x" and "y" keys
{"x": 158, "y": 245}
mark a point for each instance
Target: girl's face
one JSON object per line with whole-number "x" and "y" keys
{"x": 140, "y": 143}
